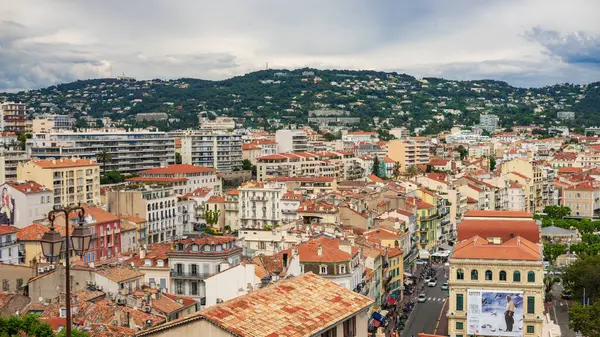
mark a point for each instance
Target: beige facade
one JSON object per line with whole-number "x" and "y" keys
{"x": 583, "y": 200}
{"x": 458, "y": 299}
{"x": 409, "y": 151}
{"x": 72, "y": 180}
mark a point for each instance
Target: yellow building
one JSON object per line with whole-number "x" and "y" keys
{"x": 582, "y": 199}
{"x": 484, "y": 274}
{"x": 393, "y": 277}
{"x": 536, "y": 180}
{"x": 29, "y": 237}
{"x": 409, "y": 151}
{"x": 72, "y": 180}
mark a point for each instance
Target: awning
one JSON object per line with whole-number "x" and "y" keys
{"x": 408, "y": 274}
{"x": 377, "y": 316}
{"x": 423, "y": 254}
{"x": 384, "y": 313}
{"x": 391, "y": 301}
{"x": 444, "y": 246}
{"x": 376, "y": 323}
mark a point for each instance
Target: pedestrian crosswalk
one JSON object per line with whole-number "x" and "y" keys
{"x": 438, "y": 299}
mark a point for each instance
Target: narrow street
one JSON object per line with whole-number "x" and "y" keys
{"x": 424, "y": 317}
{"x": 559, "y": 313}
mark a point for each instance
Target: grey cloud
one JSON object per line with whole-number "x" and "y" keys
{"x": 578, "y": 47}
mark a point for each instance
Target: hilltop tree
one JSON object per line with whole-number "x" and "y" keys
{"x": 376, "y": 166}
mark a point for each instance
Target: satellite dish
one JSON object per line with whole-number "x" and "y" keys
{"x": 41, "y": 299}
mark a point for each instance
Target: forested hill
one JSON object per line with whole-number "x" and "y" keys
{"x": 264, "y": 97}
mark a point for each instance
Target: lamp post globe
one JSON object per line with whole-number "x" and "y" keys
{"x": 81, "y": 239}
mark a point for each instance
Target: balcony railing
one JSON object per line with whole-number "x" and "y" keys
{"x": 8, "y": 243}
{"x": 178, "y": 274}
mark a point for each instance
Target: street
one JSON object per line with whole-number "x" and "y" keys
{"x": 559, "y": 312}
{"x": 423, "y": 318}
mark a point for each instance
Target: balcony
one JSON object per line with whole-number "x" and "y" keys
{"x": 445, "y": 222}
{"x": 188, "y": 275}
{"x": 8, "y": 243}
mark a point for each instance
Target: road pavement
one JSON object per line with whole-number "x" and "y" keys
{"x": 423, "y": 318}
{"x": 559, "y": 312}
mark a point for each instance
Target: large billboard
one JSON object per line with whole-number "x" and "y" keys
{"x": 494, "y": 312}
{"x": 7, "y": 207}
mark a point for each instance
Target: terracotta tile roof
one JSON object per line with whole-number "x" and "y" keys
{"x": 177, "y": 169}
{"x": 250, "y": 146}
{"x": 504, "y": 229}
{"x": 156, "y": 180}
{"x": 380, "y": 233}
{"x": 55, "y": 322}
{"x": 301, "y": 306}
{"x": 438, "y": 162}
{"x": 291, "y": 196}
{"x": 119, "y": 273}
{"x": 134, "y": 219}
{"x": 28, "y": 187}
{"x": 568, "y": 170}
{"x": 34, "y": 232}
{"x": 475, "y": 188}
{"x": 98, "y": 214}
{"x": 8, "y": 230}
{"x": 167, "y": 303}
{"x": 234, "y": 192}
{"x": 392, "y": 252}
{"x": 63, "y": 163}
{"x": 585, "y": 186}
{"x": 498, "y": 214}
{"x": 215, "y": 199}
{"x": 388, "y": 160}
{"x": 517, "y": 248}
{"x": 565, "y": 155}
{"x": 199, "y": 192}
{"x": 302, "y": 179}
{"x": 375, "y": 178}
{"x": 519, "y": 175}
{"x": 418, "y": 202}
{"x": 471, "y": 200}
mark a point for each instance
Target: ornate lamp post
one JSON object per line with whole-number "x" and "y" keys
{"x": 52, "y": 244}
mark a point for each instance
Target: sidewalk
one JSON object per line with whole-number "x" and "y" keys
{"x": 442, "y": 325}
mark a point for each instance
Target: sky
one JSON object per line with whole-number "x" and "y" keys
{"x": 526, "y": 43}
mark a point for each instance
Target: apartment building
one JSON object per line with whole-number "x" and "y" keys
{"x": 485, "y": 275}
{"x": 9, "y": 247}
{"x": 409, "y": 152}
{"x": 11, "y": 156}
{"x": 488, "y": 122}
{"x": 260, "y": 204}
{"x": 13, "y": 117}
{"x": 195, "y": 259}
{"x": 515, "y": 195}
{"x": 155, "y": 203}
{"x": 106, "y": 233}
{"x": 537, "y": 180}
{"x": 28, "y": 202}
{"x": 131, "y": 151}
{"x": 583, "y": 199}
{"x": 219, "y": 123}
{"x": 291, "y": 140}
{"x": 51, "y": 122}
{"x": 184, "y": 178}
{"x": 218, "y": 149}
{"x": 335, "y": 164}
{"x": 360, "y": 136}
{"x": 72, "y": 180}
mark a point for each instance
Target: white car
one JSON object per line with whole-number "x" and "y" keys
{"x": 422, "y": 298}
{"x": 445, "y": 286}
{"x": 432, "y": 283}
{"x": 427, "y": 279}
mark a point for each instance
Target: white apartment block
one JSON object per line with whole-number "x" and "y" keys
{"x": 13, "y": 117}
{"x": 183, "y": 177}
{"x": 9, "y": 248}
{"x": 157, "y": 204}
{"x": 307, "y": 164}
{"x": 11, "y": 156}
{"x": 131, "y": 151}
{"x": 488, "y": 122}
{"x": 259, "y": 204}
{"x": 220, "y": 123}
{"x": 360, "y": 137}
{"x": 516, "y": 197}
{"x": 291, "y": 140}
{"x": 221, "y": 150}
{"x": 28, "y": 202}
{"x": 51, "y": 122}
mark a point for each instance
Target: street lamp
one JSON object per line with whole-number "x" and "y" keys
{"x": 52, "y": 244}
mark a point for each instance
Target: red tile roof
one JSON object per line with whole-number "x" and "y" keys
{"x": 498, "y": 214}
{"x": 8, "y": 229}
{"x": 215, "y": 199}
{"x": 301, "y": 306}
{"x": 568, "y": 170}
{"x": 499, "y": 228}
{"x": 517, "y": 248}
{"x": 157, "y": 180}
{"x": 34, "y": 232}
{"x": 375, "y": 178}
{"x": 63, "y": 163}
{"x": 177, "y": 169}
{"x": 330, "y": 251}
{"x": 100, "y": 215}
{"x": 119, "y": 273}
{"x": 302, "y": 179}
{"x": 250, "y": 146}
{"x": 28, "y": 187}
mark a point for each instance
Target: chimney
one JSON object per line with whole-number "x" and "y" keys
{"x": 285, "y": 260}
{"x": 142, "y": 253}
{"x": 320, "y": 250}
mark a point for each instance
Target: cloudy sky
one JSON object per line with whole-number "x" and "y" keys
{"x": 526, "y": 43}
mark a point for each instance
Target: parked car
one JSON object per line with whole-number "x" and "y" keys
{"x": 422, "y": 298}
{"x": 445, "y": 286}
{"x": 567, "y": 294}
{"x": 432, "y": 283}
{"x": 427, "y": 279}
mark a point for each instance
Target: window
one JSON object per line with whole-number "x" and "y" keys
{"x": 194, "y": 269}
{"x": 530, "y": 329}
{"x": 5, "y": 285}
{"x": 262, "y": 245}
{"x": 459, "y": 326}
{"x": 516, "y": 276}
{"x": 460, "y": 274}
{"x": 350, "y": 327}
{"x": 530, "y": 276}
{"x": 194, "y": 288}
{"x": 179, "y": 287}
{"x": 342, "y": 269}
{"x": 530, "y": 304}
{"x": 302, "y": 268}
{"x": 502, "y": 275}
{"x": 19, "y": 283}
{"x": 459, "y": 302}
{"x": 474, "y": 274}
{"x": 330, "y": 333}
{"x": 151, "y": 280}
{"x": 323, "y": 270}
{"x": 488, "y": 275}
{"x": 206, "y": 269}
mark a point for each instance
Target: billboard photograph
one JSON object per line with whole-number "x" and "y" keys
{"x": 495, "y": 312}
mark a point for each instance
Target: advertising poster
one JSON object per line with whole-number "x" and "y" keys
{"x": 495, "y": 312}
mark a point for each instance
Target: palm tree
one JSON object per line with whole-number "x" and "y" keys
{"x": 104, "y": 157}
